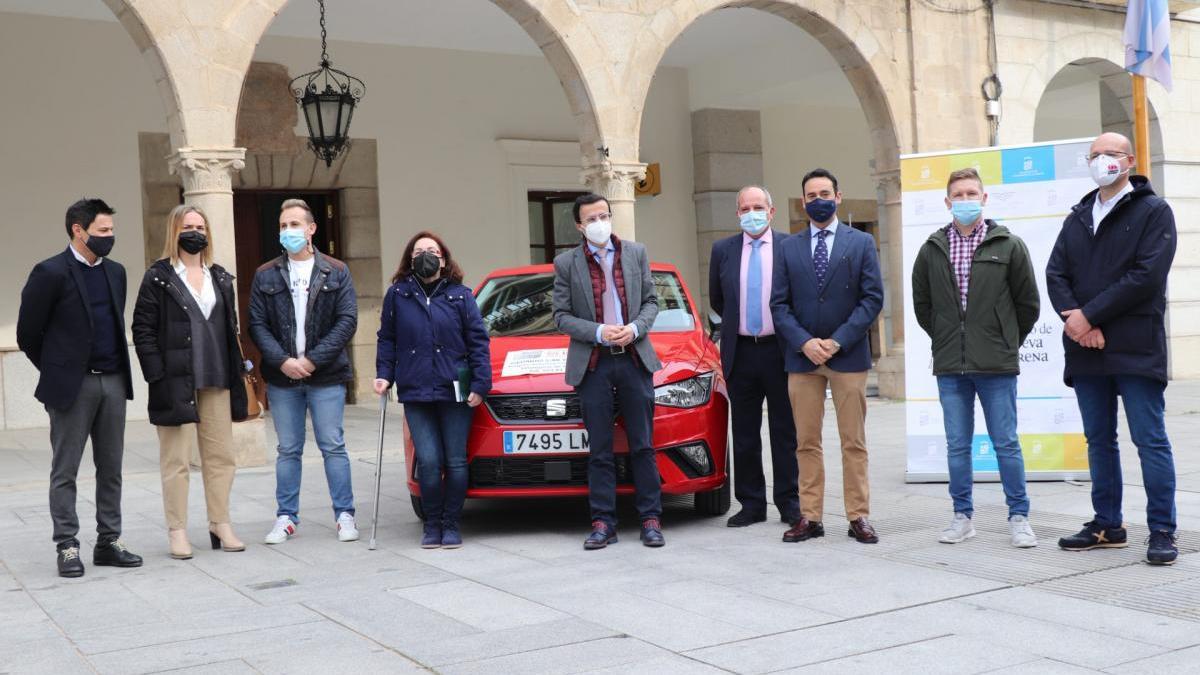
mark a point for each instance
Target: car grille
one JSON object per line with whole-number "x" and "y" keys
{"x": 516, "y": 472}
{"x": 531, "y": 409}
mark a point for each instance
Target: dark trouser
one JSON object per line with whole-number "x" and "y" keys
{"x": 1144, "y": 407}
{"x": 439, "y": 432}
{"x": 635, "y": 392}
{"x": 99, "y": 412}
{"x": 759, "y": 373}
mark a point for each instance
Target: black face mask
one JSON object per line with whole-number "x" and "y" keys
{"x": 426, "y": 265}
{"x": 192, "y": 241}
{"x": 101, "y": 246}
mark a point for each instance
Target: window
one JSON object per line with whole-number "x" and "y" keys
{"x": 522, "y": 305}
{"x": 551, "y": 225}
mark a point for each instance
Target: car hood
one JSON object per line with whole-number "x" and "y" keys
{"x": 683, "y": 355}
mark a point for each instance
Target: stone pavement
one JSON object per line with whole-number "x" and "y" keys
{"x": 523, "y": 596}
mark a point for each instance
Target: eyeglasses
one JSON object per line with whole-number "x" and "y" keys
{"x": 597, "y": 218}
{"x": 419, "y": 251}
{"x": 1092, "y": 157}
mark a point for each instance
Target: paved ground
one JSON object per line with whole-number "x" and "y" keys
{"x": 522, "y": 595}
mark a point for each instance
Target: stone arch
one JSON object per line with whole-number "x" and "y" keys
{"x": 1099, "y": 51}
{"x": 200, "y": 53}
{"x": 864, "y": 55}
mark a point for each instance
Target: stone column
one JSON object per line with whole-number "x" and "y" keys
{"x": 890, "y": 368}
{"x": 207, "y": 175}
{"x": 616, "y": 180}
{"x": 726, "y": 156}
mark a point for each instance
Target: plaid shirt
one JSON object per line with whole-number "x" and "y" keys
{"x": 962, "y": 250}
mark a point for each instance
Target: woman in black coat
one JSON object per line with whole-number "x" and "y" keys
{"x": 185, "y": 334}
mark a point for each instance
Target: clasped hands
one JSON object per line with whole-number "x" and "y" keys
{"x": 298, "y": 369}
{"x": 1079, "y": 329}
{"x": 619, "y": 336}
{"x": 820, "y": 350}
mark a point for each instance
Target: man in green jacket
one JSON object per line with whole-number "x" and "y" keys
{"x": 975, "y": 294}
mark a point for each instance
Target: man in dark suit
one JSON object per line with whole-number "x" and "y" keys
{"x": 1107, "y": 277}
{"x": 71, "y": 325}
{"x": 826, "y": 294}
{"x": 739, "y": 289}
{"x": 604, "y": 300}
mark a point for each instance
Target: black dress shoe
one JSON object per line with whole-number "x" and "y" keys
{"x": 1094, "y": 535}
{"x": 744, "y": 518}
{"x": 863, "y": 531}
{"x": 69, "y": 564}
{"x": 114, "y": 554}
{"x": 602, "y": 535}
{"x": 1162, "y": 549}
{"x": 803, "y": 530}
{"x": 652, "y": 535}
{"x": 789, "y": 517}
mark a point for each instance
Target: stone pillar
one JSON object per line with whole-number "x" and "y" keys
{"x": 616, "y": 180}
{"x": 207, "y": 175}
{"x": 890, "y": 368}
{"x": 726, "y": 156}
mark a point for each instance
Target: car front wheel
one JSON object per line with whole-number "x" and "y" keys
{"x": 420, "y": 510}
{"x": 714, "y": 502}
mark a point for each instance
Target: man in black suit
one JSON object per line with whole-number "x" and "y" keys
{"x": 71, "y": 325}
{"x": 739, "y": 289}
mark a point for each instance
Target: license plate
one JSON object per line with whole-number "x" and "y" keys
{"x": 538, "y": 442}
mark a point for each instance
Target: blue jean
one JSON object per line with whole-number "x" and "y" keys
{"x": 1144, "y": 406}
{"x": 325, "y": 405}
{"x": 439, "y": 432}
{"x": 998, "y": 398}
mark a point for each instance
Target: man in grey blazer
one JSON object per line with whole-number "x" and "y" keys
{"x": 604, "y": 300}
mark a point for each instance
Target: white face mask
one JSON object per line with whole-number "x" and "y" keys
{"x": 598, "y": 231}
{"x": 1106, "y": 169}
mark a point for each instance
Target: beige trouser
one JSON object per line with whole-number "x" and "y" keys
{"x": 807, "y": 393}
{"x": 214, "y": 433}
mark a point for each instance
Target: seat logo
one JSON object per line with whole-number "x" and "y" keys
{"x": 556, "y": 407}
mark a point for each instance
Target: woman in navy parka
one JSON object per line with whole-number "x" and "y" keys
{"x": 433, "y": 346}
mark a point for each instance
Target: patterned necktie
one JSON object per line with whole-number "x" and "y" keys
{"x": 610, "y": 307}
{"x": 754, "y": 289}
{"x": 821, "y": 257}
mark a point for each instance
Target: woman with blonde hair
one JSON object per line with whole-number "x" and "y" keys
{"x": 186, "y": 337}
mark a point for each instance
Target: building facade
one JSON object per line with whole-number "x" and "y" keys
{"x": 462, "y": 132}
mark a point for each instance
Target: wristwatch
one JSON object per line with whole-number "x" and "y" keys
{"x": 836, "y": 344}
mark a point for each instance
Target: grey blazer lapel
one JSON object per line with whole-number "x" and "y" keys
{"x": 581, "y": 282}
{"x": 631, "y": 269}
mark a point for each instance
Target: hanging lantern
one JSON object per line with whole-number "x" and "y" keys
{"x": 327, "y": 98}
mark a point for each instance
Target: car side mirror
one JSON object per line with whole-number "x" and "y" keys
{"x": 714, "y": 326}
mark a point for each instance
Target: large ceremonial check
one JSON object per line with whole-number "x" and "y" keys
{"x": 1031, "y": 188}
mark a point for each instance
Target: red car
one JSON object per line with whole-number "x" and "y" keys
{"x": 528, "y": 439}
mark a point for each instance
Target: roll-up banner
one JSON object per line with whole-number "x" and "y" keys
{"x": 1031, "y": 189}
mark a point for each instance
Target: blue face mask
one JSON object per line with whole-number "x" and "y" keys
{"x": 753, "y": 222}
{"x": 966, "y": 211}
{"x": 293, "y": 240}
{"x": 820, "y": 210}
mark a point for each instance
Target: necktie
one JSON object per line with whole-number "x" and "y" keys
{"x": 754, "y": 289}
{"x": 821, "y": 258}
{"x": 610, "y": 287}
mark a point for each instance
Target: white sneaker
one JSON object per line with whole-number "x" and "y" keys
{"x": 284, "y": 528}
{"x": 346, "y": 528}
{"x": 960, "y": 530}
{"x": 1022, "y": 533}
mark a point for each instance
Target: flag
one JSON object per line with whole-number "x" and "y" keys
{"x": 1147, "y": 34}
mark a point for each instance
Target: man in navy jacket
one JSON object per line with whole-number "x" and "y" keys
{"x": 739, "y": 289}
{"x": 826, "y": 293}
{"x": 1107, "y": 277}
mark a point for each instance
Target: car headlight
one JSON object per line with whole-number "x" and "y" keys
{"x": 689, "y": 393}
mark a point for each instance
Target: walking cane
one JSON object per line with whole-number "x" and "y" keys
{"x": 383, "y": 400}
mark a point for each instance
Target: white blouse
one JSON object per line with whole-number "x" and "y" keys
{"x": 207, "y": 297}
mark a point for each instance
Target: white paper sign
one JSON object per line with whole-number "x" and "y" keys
{"x": 535, "y": 362}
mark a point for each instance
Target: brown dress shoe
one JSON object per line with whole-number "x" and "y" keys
{"x": 804, "y": 529}
{"x": 863, "y": 531}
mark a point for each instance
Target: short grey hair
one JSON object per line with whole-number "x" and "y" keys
{"x": 766, "y": 192}
{"x": 298, "y": 204}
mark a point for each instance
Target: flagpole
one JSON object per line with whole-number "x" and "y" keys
{"x": 1141, "y": 126}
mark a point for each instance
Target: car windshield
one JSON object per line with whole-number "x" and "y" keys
{"x": 522, "y": 305}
